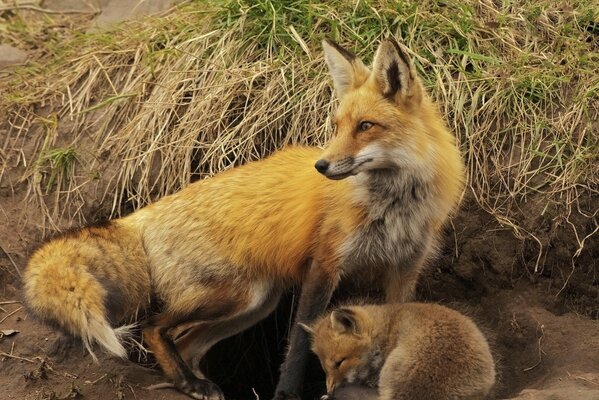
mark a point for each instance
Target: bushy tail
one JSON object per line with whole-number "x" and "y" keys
{"x": 110, "y": 338}
{"x": 60, "y": 289}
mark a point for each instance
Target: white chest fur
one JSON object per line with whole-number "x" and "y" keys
{"x": 397, "y": 230}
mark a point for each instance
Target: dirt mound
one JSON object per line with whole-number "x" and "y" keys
{"x": 529, "y": 281}
{"x": 545, "y": 344}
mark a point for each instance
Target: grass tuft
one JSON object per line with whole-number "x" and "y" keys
{"x": 215, "y": 84}
{"x": 61, "y": 164}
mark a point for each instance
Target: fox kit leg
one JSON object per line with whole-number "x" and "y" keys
{"x": 316, "y": 293}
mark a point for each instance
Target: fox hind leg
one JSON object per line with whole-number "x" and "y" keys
{"x": 173, "y": 366}
{"x": 205, "y": 314}
{"x": 198, "y": 303}
{"x": 195, "y": 342}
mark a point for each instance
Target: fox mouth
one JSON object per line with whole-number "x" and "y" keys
{"x": 352, "y": 170}
{"x": 339, "y": 176}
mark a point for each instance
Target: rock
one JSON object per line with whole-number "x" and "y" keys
{"x": 75, "y": 5}
{"x": 11, "y": 56}
{"x": 119, "y": 10}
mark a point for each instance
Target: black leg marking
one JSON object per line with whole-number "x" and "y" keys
{"x": 315, "y": 296}
{"x": 175, "y": 368}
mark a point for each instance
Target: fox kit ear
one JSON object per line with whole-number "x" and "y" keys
{"x": 395, "y": 74}
{"x": 346, "y": 69}
{"x": 344, "y": 320}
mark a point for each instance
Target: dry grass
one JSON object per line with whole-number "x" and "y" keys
{"x": 157, "y": 102}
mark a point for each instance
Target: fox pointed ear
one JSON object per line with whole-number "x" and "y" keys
{"x": 395, "y": 74}
{"x": 344, "y": 320}
{"x": 346, "y": 69}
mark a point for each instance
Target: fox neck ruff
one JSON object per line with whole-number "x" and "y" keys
{"x": 399, "y": 208}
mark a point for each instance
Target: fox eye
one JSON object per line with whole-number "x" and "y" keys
{"x": 337, "y": 364}
{"x": 365, "y": 125}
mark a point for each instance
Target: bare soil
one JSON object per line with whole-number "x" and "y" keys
{"x": 542, "y": 324}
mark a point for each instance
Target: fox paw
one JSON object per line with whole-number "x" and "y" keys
{"x": 281, "y": 395}
{"x": 201, "y": 389}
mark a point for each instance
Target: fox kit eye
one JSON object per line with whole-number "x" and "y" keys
{"x": 337, "y": 364}
{"x": 365, "y": 125}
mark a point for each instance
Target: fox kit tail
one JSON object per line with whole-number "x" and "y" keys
{"x": 60, "y": 289}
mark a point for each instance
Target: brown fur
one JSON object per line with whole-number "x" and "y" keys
{"x": 406, "y": 351}
{"x": 217, "y": 255}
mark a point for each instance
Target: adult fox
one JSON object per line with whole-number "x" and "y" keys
{"x": 217, "y": 255}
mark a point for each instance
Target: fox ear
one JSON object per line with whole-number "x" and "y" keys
{"x": 346, "y": 69}
{"x": 395, "y": 74}
{"x": 344, "y": 320}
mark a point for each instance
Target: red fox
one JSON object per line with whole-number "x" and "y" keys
{"x": 409, "y": 351}
{"x": 216, "y": 256}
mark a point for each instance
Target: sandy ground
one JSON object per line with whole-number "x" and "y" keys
{"x": 546, "y": 341}
{"x": 543, "y": 349}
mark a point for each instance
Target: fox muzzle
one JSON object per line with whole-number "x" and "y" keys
{"x": 336, "y": 170}
{"x": 331, "y": 385}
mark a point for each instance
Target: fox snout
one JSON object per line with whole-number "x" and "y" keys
{"x": 331, "y": 386}
{"x": 340, "y": 169}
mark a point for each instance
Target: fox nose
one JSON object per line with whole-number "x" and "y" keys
{"x": 321, "y": 166}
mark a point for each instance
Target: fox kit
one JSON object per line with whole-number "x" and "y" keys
{"x": 217, "y": 255}
{"x": 407, "y": 351}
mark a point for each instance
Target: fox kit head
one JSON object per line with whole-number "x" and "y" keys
{"x": 342, "y": 341}
{"x": 378, "y": 114}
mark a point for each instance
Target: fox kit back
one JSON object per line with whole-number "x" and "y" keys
{"x": 214, "y": 258}
{"x": 406, "y": 351}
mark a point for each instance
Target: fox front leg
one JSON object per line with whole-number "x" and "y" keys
{"x": 316, "y": 293}
{"x": 400, "y": 283}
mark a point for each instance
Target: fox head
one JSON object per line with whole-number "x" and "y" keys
{"x": 342, "y": 341}
{"x": 377, "y": 119}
